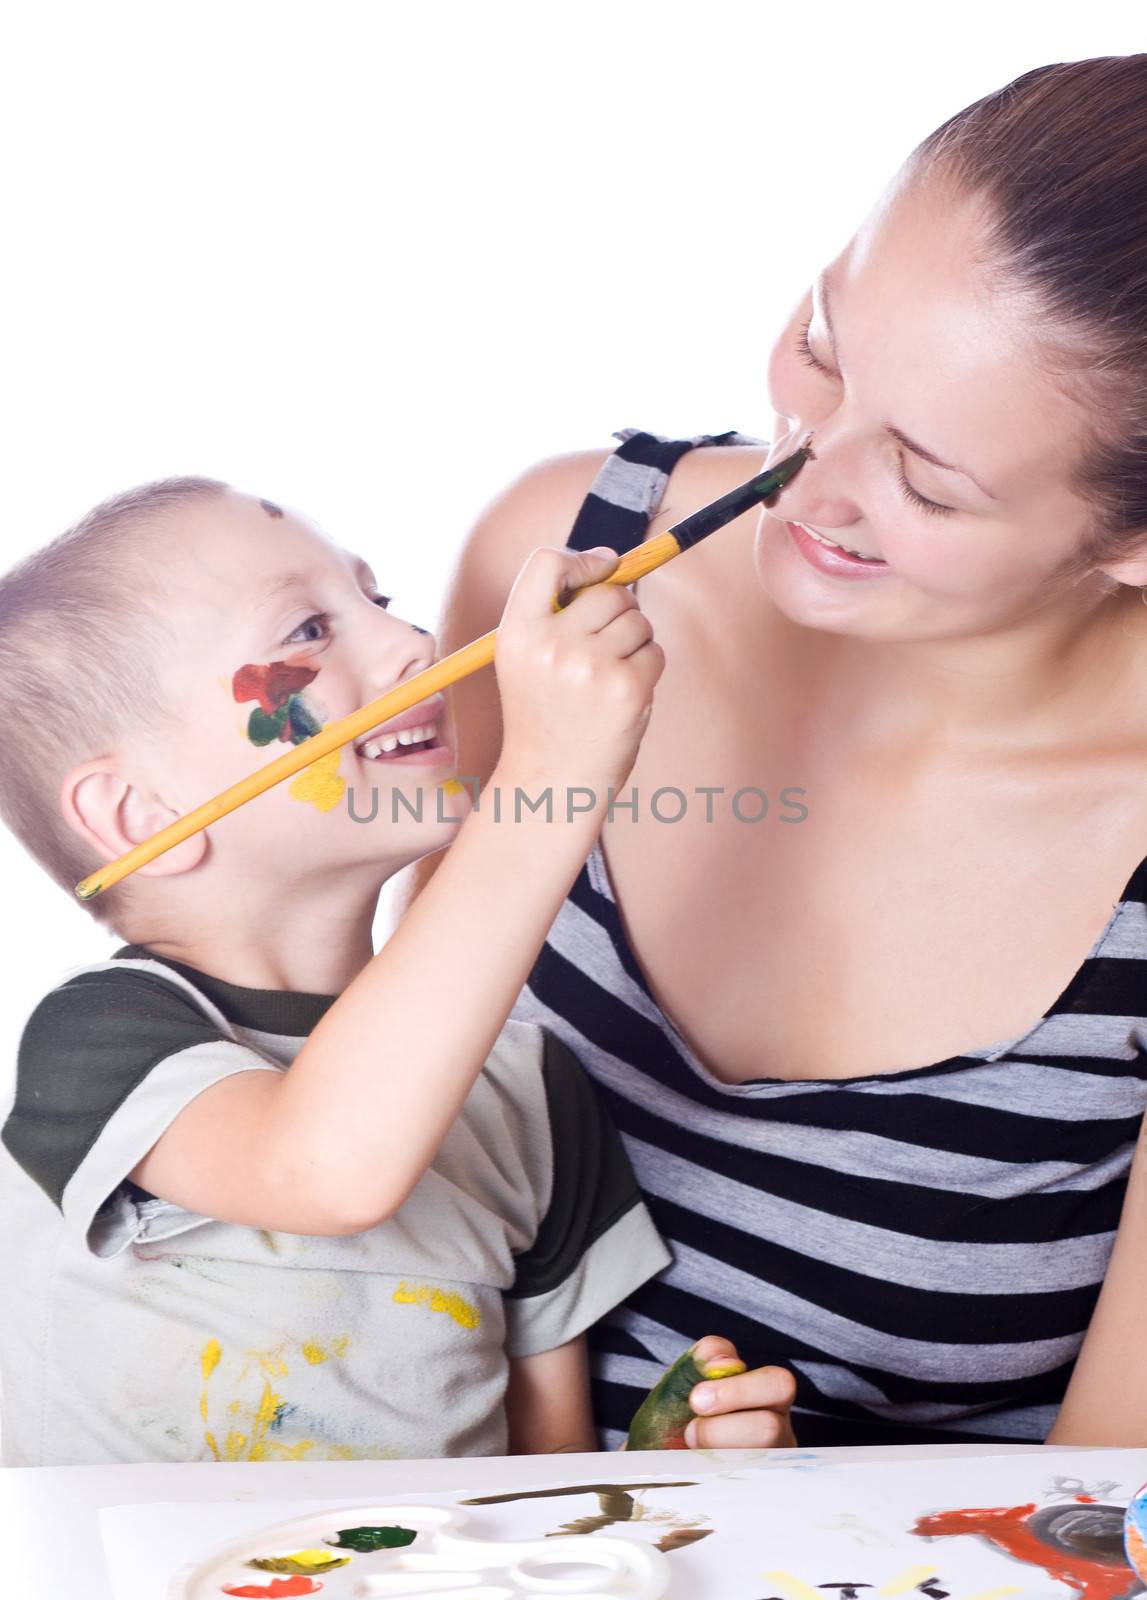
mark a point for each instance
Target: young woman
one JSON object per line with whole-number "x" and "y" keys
{"x": 879, "y": 1056}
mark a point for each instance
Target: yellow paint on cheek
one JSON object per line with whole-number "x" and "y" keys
{"x": 452, "y": 786}
{"x": 320, "y": 784}
{"x": 425, "y": 1294}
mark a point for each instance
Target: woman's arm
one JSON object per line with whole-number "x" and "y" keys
{"x": 538, "y": 508}
{"x": 1106, "y": 1400}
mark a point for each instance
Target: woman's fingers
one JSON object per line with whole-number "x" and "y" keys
{"x": 741, "y": 1430}
{"x": 747, "y": 1410}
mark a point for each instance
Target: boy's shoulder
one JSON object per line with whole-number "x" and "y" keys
{"x": 86, "y": 1049}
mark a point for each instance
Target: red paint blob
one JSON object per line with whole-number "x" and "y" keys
{"x": 1006, "y": 1527}
{"x": 1086, "y": 1499}
{"x": 270, "y": 685}
{"x": 277, "y": 1587}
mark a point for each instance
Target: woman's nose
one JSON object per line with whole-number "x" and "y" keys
{"x": 821, "y": 493}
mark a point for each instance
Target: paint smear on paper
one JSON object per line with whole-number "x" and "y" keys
{"x": 1080, "y": 1545}
{"x": 307, "y": 1562}
{"x": 278, "y": 1587}
{"x": 425, "y": 1294}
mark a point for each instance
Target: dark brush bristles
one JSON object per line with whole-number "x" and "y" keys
{"x": 691, "y": 530}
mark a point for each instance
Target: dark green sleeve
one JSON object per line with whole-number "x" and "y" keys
{"x": 593, "y": 1182}
{"x": 85, "y": 1049}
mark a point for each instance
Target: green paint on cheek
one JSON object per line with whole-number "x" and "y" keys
{"x": 367, "y": 1539}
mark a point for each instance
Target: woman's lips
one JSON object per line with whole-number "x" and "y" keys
{"x": 835, "y": 563}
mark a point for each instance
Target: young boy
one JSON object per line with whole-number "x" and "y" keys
{"x": 392, "y": 1248}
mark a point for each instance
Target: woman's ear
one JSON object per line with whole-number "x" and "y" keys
{"x": 112, "y": 815}
{"x": 1131, "y": 568}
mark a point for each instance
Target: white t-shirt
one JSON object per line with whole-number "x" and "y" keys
{"x": 136, "y": 1331}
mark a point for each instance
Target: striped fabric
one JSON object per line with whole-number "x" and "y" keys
{"x": 924, "y": 1249}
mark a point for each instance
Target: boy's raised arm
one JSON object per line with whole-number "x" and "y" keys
{"x": 336, "y": 1144}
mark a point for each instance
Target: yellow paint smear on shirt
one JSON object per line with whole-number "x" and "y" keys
{"x": 316, "y": 1353}
{"x": 210, "y": 1357}
{"x": 258, "y": 1441}
{"x": 320, "y": 784}
{"x": 462, "y": 1312}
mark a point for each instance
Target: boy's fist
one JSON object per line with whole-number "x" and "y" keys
{"x": 577, "y": 684}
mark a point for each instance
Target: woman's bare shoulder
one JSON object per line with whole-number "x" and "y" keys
{"x": 538, "y": 507}
{"x": 541, "y": 505}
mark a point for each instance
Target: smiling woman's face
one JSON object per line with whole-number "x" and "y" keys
{"x": 903, "y": 356}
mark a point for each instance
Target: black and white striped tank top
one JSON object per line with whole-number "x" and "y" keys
{"x": 923, "y": 1249}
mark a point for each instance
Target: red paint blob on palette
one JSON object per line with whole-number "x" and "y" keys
{"x": 271, "y": 684}
{"x": 277, "y": 1587}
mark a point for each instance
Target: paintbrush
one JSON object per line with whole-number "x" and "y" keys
{"x": 633, "y": 564}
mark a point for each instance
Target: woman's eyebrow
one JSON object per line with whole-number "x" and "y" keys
{"x": 890, "y": 429}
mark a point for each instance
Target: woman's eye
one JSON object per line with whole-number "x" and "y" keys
{"x": 805, "y": 351}
{"x": 382, "y": 600}
{"x": 921, "y": 502}
{"x": 933, "y": 507}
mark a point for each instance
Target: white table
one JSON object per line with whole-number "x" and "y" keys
{"x": 53, "y": 1512}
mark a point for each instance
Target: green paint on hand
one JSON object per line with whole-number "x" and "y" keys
{"x": 367, "y": 1539}
{"x": 660, "y": 1421}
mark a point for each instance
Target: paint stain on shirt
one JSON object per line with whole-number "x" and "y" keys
{"x": 315, "y": 1353}
{"x": 445, "y": 1300}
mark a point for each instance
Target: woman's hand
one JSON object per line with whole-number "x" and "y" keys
{"x": 749, "y": 1411}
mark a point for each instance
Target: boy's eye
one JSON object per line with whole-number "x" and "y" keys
{"x": 322, "y": 620}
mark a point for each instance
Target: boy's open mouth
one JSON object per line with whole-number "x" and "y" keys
{"x": 413, "y": 733}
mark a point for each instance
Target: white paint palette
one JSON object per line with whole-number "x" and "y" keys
{"x": 439, "y": 1563}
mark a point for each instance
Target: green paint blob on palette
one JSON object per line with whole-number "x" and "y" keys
{"x": 373, "y": 1538}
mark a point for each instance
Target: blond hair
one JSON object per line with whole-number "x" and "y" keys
{"x": 81, "y": 637}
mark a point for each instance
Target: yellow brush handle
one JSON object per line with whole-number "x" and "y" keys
{"x": 633, "y": 565}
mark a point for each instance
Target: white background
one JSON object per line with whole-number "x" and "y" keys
{"x": 375, "y": 259}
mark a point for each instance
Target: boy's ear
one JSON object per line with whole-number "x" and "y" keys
{"x": 112, "y": 815}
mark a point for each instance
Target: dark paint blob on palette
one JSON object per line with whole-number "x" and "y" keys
{"x": 367, "y": 1539}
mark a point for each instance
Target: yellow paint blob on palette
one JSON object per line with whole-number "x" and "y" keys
{"x": 358, "y": 1552}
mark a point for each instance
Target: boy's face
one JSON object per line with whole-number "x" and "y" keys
{"x": 276, "y": 633}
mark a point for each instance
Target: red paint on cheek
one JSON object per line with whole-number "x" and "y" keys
{"x": 1007, "y": 1528}
{"x": 271, "y": 684}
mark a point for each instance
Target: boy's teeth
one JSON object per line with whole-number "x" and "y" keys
{"x": 386, "y": 743}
